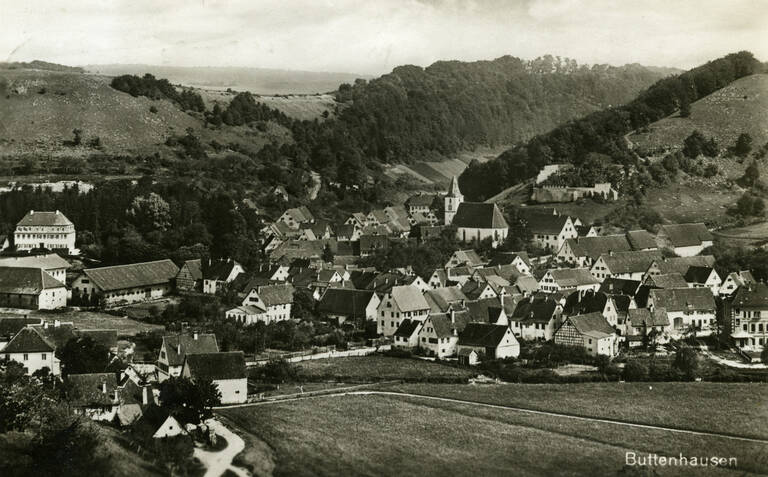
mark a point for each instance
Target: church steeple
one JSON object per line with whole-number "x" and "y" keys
{"x": 452, "y": 200}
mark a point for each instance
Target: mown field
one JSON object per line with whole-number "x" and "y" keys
{"x": 393, "y": 435}
{"x": 91, "y": 320}
{"x": 377, "y": 368}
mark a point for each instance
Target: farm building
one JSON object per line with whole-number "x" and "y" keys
{"x": 175, "y": 347}
{"x": 224, "y": 369}
{"x": 31, "y": 349}
{"x": 190, "y": 276}
{"x": 51, "y": 263}
{"x": 487, "y": 341}
{"x": 343, "y": 304}
{"x": 591, "y": 332}
{"x": 686, "y": 240}
{"x": 30, "y": 288}
{"x": 127, "y": 283}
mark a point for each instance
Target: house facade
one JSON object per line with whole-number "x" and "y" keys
{"x": 275, "y": 300}
{"x": 226, "y": 370}
{"x": 402, "y": 302}
{"x": 30, "y": 288}
{"x": 174, "y": 349}
{"x": 591, "y": 332}
{"x": 748, "y": 312}
{"x": 48, "y": 230}
{"x": 32, "y": 350}
{"x": 123, "y": 284}
{"x": 487, "y": 341}
{"x": 686, "y": 308}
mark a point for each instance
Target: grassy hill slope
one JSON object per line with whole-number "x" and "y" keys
{"x": 41, "y": 109}
{"x": 741, "y": 107}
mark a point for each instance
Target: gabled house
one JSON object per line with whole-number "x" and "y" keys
{"x": 667, "y": 265}
{"x": 50, "y": 263}
{"x": 128, "y": 283}
{"x": 421, "y": 203}
{"x": 30, "y": 288}
{"x": 400, "y": 303}
{"x": 342, "y": 305}
{"x": 584, "y": 303}
{"x": 479, "y": 341}
{"x": 536, "y": 317}
{"x": 477, "y": 221}
{"x": 670, "y": 280}
{"x": 275, "y": 301}
{"x": 468, "y": 258}
{"x": 703, "y": 277}
{"x": 407, "y": 334}
{"x": 550, "y": 231}
{"x": 568, "y": 279}
{"x": 440, "y": 332}
{"x": 99, "y": 397}
{"x": 591, "y": 332}
{"x": 734, "y": 280}
{"x": 685, "y": 240}
{"x": 646, "y": 326}
{"x": 477, "y": 290}
{"x": 219, "y": 272}
{"x": 440, "y": 299}
{"x": 687, "y": 309}
{"x": 226, "y": 370}
{"x": 294, "y": 217}
{"x": 519, "y": 260}
{"x": 748, "y": 314}
{"x": 31, "y": 349}
{"x": 628, "y": 265}
{"x": 175, "y": 347}
{"x": 584, "y": 251}
{"x": 190, "y": 276}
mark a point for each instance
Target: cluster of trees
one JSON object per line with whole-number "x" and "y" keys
{"x": 154, "y": 88}
{"x": 696, "y": 144}
{"x": 604, "y": 131}
{"x": 244, "y": 109}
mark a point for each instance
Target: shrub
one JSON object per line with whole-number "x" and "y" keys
{"x": 635, "y": 370}
{"x": 152, "y": 109}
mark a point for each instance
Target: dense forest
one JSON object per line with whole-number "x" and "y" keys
{"x": 603, "y": 131}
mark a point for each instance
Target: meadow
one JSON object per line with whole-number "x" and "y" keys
{"x": 377, "y": 368}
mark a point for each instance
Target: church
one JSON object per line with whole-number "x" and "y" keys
{"x": 474, "y": 221}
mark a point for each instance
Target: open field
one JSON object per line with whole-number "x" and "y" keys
{"x": 379, "y": 368}
{"x": 682, "y": 203}
{"x": 684, "y": 405}
{"x": 400, "y": 435}
{"x": 92, "y": 320}
{"x": 747, "y": 235}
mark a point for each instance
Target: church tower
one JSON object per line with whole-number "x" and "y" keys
{"x": 452, "y": 200}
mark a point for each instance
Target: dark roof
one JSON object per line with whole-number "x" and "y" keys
{"x": 407, "y": 328}
{"x": 480, "y": 310}
{"x": 343, "y": 301}
{"x": 682, "y": 264}
{"x": 473, "y": 289}
{"x": 482, "y": 334}
{"x": 195, "y": 268}
{"x": 506, "y": 258}
{"x": 9, "y": 326}
{"x": 545, "y": 224}
{"x": 106, "y": 338}
{"x": 205, "y": 343}
{"x": 26, "y": 281}
{"x": 216, "y": 366}
{"x": 620, "y": 286}
{"x": 572, "y": 277}
{"x": 686, "y": 235}
{"x": 273, "y": 295}
{"x": 421, "y": 200}
{"x": 479, "y": 215}
{"x": 86, "y": 390}
{"x": 670, "y": 280}
{"x": 361, "y": 279}
{"x": 593, "y": 247}
{"x": 36, "y": 218}
{"x": 683, "y": 299}
{"x": 441, "y": 322}
{"x": 630, "y": 262}
{"x": 579, "y": 303}
{"x": 218, "y": 269}
{"x": 539, "y": 309}
{"x": 754, "y": 295}
{"x": 28, "y": 340}
{"x": 698, "y": 274}
{"x": 641, "y": 239}
{"x": 591, "y": 324}
{"x": 133, "y": 275}
{"x": 640, "y": 317}
{"x": 370, "y": 243}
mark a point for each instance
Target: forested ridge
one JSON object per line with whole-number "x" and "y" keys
{"x": 603, "y": 132}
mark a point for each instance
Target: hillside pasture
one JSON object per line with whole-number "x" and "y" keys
{"x": 375, "y": 368}
{"x": 400, "y": 435}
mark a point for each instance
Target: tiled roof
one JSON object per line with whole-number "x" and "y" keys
{"x": 218, "y": 269}
{"x": 527, "y": 284}
{"x": 26, "y": 281}
{"x": 440, "y": 299}
{"x": 482, "y": 335}
{"x": 538, "y": 309}
{"x": 593, "y": 247}
{"x": 409, "y": 298}
{"x": 205, "y": 343}
{"x": 48, "y": 261}
{"x": 37, "y": 218}
{"x": 467, "y": 257}
{"x": 9, "y": 326}
{"x": 630, "y": 262}
{"x": 216, "y": 366}
{"x": 195, "y": 268}
{"x": 407, "y": 328}
{"x": 670, "y": 280}
{"x": 572, "y": 277}
{"x": 683, "y": 299}
{"x": 642, "y": 317}
{"x": 620, "y": 286}
{"x": 641, "y": 239}
{"x": 579, "y": 303}
{"x": 682, "y": 264}
{"x": 421, "y": 200}
{"x": 751, "y": 296}
{"x": 273, "y": 295}
{"x": 505, "y": 258}
{"x": 106, "y": 338}
{"x": 28, "y": 340}
{"x": 592, "y": 324}
{"x": 133, "y": 275}
{"x": 545, "y": 224}
{"x": 473, "y": 289}
{"x": 479, "y": 215}
{"x": 441, "y": 323}
{"x": 343, "y": 301}
{"x": 686, "y": 235}
{"x": 480, "y": 310}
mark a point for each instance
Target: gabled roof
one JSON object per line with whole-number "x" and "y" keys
{"x": 407, "y": 328}
{"x": 630, "y": 262}
{"x": 409, "y": 298}
{"x": 440, "y": 299}
{"x": 362, "y": 278}
{"x": 48, "y": 261}
{"x": 479, "y": 215}
{"x": 273, "y": 295}
{"x": 579, "y": 303}
{"x": 467, "y": 257}
{"x": 572, "y": 277}
{"x": 482, "y": 335}
{"x": 620, "y": 286}
{"x": 28, "y": 340}
{"x": 545, "y": 224}
{"x": 506, "y": 258}
{"x": 195, "y": 268}
{"x": 132, "y": 275}
{"x": 441, "y": 323}
{"x": 593, "y": 247}
{"x": 205, "y": 343}
{"x": 507, "y": 272}
{"x": 670, "y": 280}
{"x": 682, "y": 264}
{"x": 344, "y": 230}
{"x": 643, "y": 317}
{"x": 480, "y": 310}
{"x": 343, "y": 301}
{"x": 742, "y": 278}
{"x": 420, "y": 200}
{"x": 526, "y": 284}
{"x": 592, "y": 324}
{"x": 106, "y": 338}
{"x": 9, "y": 326}
{"x": 218, "y": 269}
{"x": 696, "y": 274}
{"x": 216, "y": 366}
{"x": 537, "y": 309}
{"x": 683, "y": 299}
{"x": 37, "y": 218}
{"x": 641, "y": 239}
{"x": 473, "y": 289}
{"x": 754, "y": 295}
{"x": 26, "y": 281}
{"x": 300, "y": 214}
{"x": 686, "y": 235}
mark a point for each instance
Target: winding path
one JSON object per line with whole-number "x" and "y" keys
{"x": 732, "y": 437}
{"x": 216, "y": 463}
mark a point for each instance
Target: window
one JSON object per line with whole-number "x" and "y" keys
{"x": 45, "y": 356}
{"x": 26, "y": 356}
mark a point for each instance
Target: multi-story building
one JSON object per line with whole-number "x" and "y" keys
{"x": 48, "y": 230}
{"x": 748, "y": 312}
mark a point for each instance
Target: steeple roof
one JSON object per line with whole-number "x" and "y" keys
{"x": 453, "y": 189}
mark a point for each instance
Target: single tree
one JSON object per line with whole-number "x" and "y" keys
{"x": 81, "y": 355}
{"x": 187, "y": 400}
{"x": 687, "y": 362}
{"x": 743, "y": 145}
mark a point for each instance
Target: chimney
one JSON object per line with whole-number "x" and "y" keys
{"x": 117, "y": 398}
{"x": 57, "y": 212}
{"x": 501, "y": 297}
{"x": 145, "y": 395}
{"x": 453, "y": 316}
{"x": 195, "y": 336}
{"x": 178, "y": 348}
{"x": 31, "y": 212}
{"x": 104, "y": 387}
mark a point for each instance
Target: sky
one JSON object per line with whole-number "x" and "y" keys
{"x": 372, "y": 37}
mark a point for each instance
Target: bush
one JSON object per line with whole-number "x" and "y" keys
{"x": 635, "y": 370}
{"x": 153, "y": 109}
{"x": 687, "y": 362}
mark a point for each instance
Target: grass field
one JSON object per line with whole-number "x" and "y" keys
{"x": 91, "y": 320}
{"x": 378, "y": 368}
{"x": 392, "y": 435}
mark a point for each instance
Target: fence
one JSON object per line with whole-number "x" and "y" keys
{"x": 315, "y": 354}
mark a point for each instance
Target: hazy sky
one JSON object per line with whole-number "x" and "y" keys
{"x": 371, "y": 37}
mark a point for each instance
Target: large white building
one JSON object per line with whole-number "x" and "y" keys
{"x": 123, "y": 284}
{"x": 49, "y": 230}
